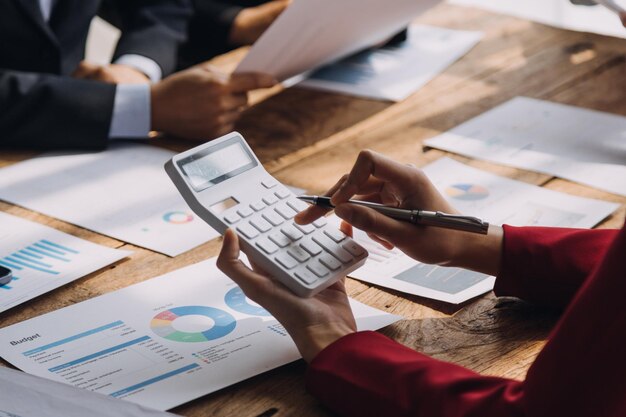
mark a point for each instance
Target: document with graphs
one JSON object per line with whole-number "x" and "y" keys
{"x": 162, "y": 342}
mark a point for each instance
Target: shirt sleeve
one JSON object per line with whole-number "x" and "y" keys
{"x": 131, "y": 112}
{"x": 547, "y": 265}
{"x": 142, "y": 64}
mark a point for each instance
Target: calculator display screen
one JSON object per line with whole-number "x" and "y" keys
{"x": 216, "y": 164}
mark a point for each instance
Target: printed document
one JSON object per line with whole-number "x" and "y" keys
{"x": 558, "y": 13}
{"x": 394, "y": 72}
{"x": 162, "y": 342}
{"x": 490, "y": 197}
{"x": 43, "y": 259}
{"x": 123, "y": 192}
{"x": 311, "y": 34}
{"x": 580, "y": 145}
{"x": 25, "y": 395}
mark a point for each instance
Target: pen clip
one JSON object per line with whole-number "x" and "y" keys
{"x": 451, "y": 221}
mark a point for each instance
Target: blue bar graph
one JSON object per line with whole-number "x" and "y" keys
{"x": 39, "y": 256}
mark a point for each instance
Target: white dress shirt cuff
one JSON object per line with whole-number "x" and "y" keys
{"x": 131, "y": 112}
{"x": 142, "y": 64}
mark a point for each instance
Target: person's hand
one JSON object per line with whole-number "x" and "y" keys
{"x": 622, "y": 17}
{"x": 201, "y": 103}
{"x": 113, "y": 73}
{"x": 251, "y": 22}
{"x": 313, "y": 323}
{"x": 379, "y": 179}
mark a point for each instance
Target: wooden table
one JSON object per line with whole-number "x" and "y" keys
{"x": 308, "y": 139}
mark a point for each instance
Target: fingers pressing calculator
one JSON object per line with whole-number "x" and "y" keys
{"x": 225, "y": 184}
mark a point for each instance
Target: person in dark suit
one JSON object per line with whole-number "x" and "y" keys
{"x": 51, "y": 99}
{"x": 217, "y": 26}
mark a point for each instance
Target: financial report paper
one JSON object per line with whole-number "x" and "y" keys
{"x": 490, "y": 197}
{"x": 43, "y": 259}
{"x": 162, "y": 342}
{"x": 122, "y": 192}
{"x": 558, "y": 13}
{"x": 25, "y": 395}
{"x": 584, "y": 146}
{"x": 395, "y": 72}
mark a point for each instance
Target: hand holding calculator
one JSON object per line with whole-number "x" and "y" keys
{"x": 225, "y": 184}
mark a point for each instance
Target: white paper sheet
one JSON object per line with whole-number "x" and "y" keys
{"x": 25, "y": 395}
{"x": 310, "y": 34}
{"x": 580, "y": 145}
{"x": 160, "y": 343}
{"x": 558, "y": 13}
{"x": 493, "y": 198}
{"x": 123, "y": 192}
{"x": 43, "y": 259}
{"x": 395, "y": 72}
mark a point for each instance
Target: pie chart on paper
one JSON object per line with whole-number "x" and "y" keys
{"x": 193, "y": 324}
{"x": 467, "y": 192}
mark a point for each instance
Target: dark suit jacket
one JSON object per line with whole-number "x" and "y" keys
{"x": 40, "y": 105}
{"x": 209, "y": 29}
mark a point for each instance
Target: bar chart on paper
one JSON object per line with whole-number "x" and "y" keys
{"x": 43, "y": 259}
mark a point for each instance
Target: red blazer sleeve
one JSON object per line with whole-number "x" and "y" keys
{"x": 547, "y": 265}
{"x": 580, "y": 372}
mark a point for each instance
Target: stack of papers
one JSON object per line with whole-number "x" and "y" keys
{"x": 160, "y": 343}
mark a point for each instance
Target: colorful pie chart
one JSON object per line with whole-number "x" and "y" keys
{"x": 177, "y": 217}
{"x": 211, "y": 323}
{"x": 467, "y": 192}
{"x": 236, "y": 299}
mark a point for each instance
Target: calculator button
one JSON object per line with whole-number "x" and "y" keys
{"x": 335, "y": 235}
{"x": 298, "y": 253}
{"x": 352, "y": 247}
{"x": 306, "y": 277}
{"x": 331, "y": 247}
{"x": 311, "y": 247}
{"x": 269, "y": 183}
{"x": 297, "y": 205}
{"x": 286, "y": 261}
{"x": 232, "y": 218}
{"x": 330, "y": 262}
{"x": 305, "y": 228}
{"x": 291, "y": 232}
{"x": 267, "y": 245}
{"x": 321, "y": 222}
{"x": 248, "y": 231}
{"x": 270, "y": 199}
{"x": 280, "y": 239}
{"x": 273, "y": 218}
{"x": 261, "y": 224}
{"x": 282, "y": 193}
{"x": 318, "y": 269}
{"x": 286, "y": 212}
{"x": 245, "y": 212}
{"x": 257, "y": 205}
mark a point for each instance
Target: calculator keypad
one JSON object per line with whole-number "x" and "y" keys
{"x": 309, "y": 252}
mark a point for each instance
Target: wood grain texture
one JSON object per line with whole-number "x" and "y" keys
{"x": 309, "y": 138}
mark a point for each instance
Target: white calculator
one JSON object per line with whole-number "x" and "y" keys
{"x": 225, "y": 184}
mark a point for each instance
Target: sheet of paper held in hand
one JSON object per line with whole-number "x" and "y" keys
{"x": 478, "y": 193}
{"x": 559, "y": 13}
{"x": 43, "y": 259}
{"x": 580, "y": 145}
{"x": 162, "y": 342}
{"x": 123, "y": 192}
{"x": 311, "y": 34}
{"x": 396, "y": 71}
{"x": 25, "y": 395}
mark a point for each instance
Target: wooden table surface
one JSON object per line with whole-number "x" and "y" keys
{"x": 308, "y": 139}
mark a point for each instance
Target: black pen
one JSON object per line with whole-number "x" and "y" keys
{"x": 421, "y": 217}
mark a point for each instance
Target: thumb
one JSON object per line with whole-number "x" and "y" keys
{"x": 372, "y": 222}
{"x": 244, "y": 82}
